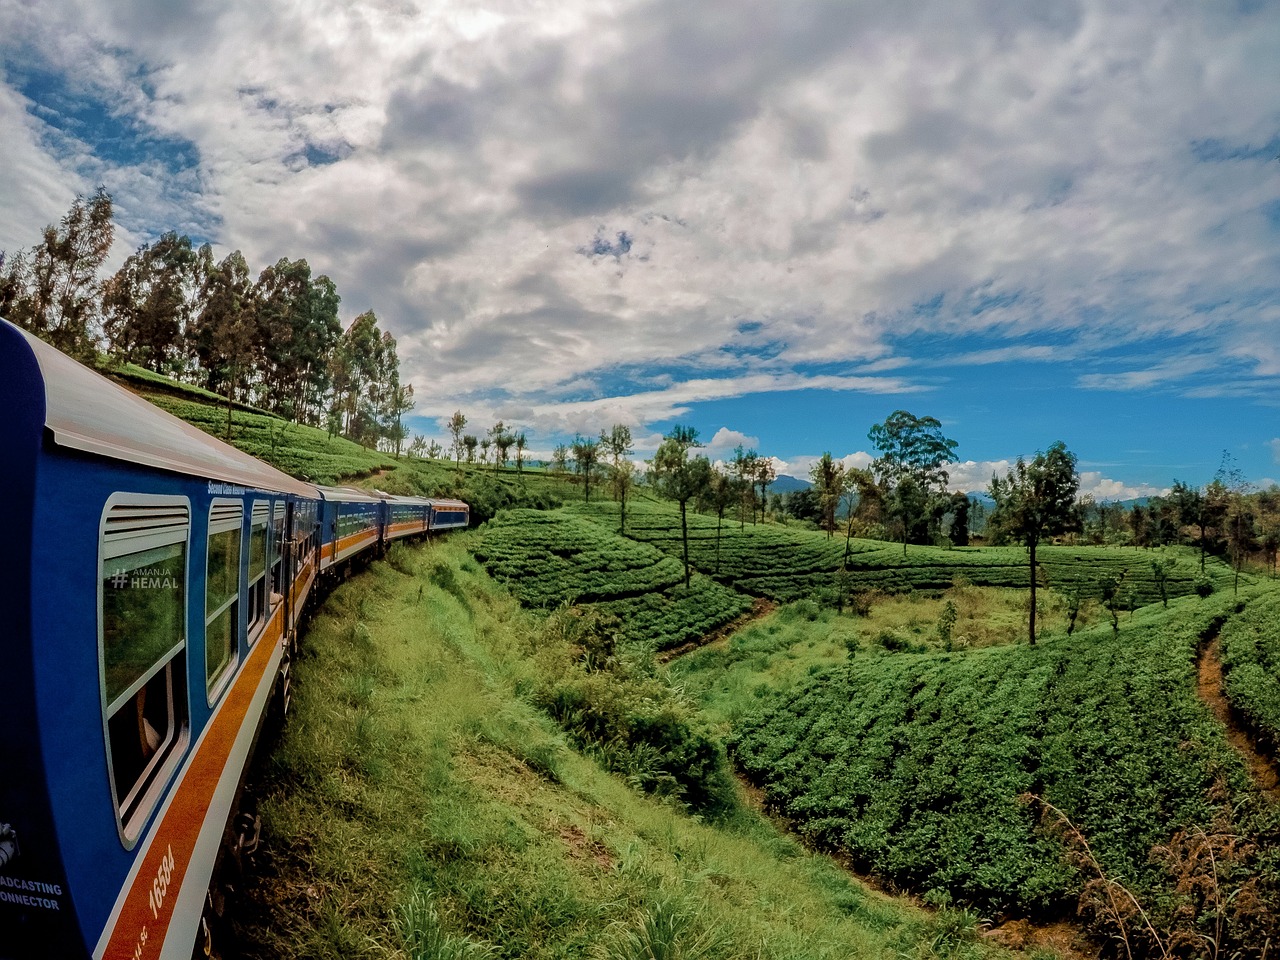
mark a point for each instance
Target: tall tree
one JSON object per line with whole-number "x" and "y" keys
{"x": 585, "y": 452}
{"x": 54, "y": 290}
{"x": 560, "y": 460}
{"x": 764, "y": 474}
{"x": 522, "y": 443}
{"x": 225, "y": 326}
{"x": 149, "y": 302}
{"x": 681, "y": 477}
{"x": 355, "y": 367}
{"x": 1203, "y": 509}
{"x": 502, "y": 439}
{"x": 743, "y": 472}
{"x": 912, "y": 463}
{"x": 457, "y": 423}
{"x": 616, "y": 444}
{"x": 960, "y": 519}
{"x": 298, "y": 327}
{"x": 401, "y": 403}
{"x": 721, "y": 493}
{"x": 827, "y": 476}
{"x": 1238, "y": 521}
{"x": 1034, "y": 501}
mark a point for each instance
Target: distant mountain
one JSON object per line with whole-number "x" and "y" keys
{"x": 785, "y": 484}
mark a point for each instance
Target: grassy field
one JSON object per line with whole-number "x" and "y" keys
{"x": 420, "y": 805}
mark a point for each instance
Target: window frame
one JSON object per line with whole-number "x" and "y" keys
{"x": 135, "y": 808}
{"x": 259, "y": 614}
{"x": 216, "y": 685}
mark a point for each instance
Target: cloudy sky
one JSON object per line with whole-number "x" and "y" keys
{"x": 775, "y": 221}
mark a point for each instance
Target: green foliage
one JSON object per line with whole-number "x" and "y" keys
{"x": 1250, "y": 651}
{"x": 296, "y": 449}
{"x": 668, "y": 929}
{"x": 548, "y": 558}
{"x": 913, "y": 766}
{"x": 424, "y": 935}
{"x": 785, "y": 563}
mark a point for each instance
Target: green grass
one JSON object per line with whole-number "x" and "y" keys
{"x": 419, "y": 805}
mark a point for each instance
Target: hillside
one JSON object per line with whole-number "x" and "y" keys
{"x": 487, "y": 757}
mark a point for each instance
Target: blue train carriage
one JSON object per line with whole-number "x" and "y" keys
{"x": 405, "y": 516}
{"x": 351, "y": 522}
{"x": 151, "y": 579}
{"x": 449, "y": 514}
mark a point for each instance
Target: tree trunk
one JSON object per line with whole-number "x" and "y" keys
{"x": 1032, "y": 545}
{"x": 684, "y": 535}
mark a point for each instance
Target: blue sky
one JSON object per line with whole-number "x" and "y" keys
{"x": 777, "y": 223}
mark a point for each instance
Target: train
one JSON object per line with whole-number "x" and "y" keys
{"x": 152, "y": 588}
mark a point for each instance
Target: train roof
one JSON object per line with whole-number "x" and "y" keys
{"x": 87, "y": 412}
{"x": 348, "y": 495}
{"x": 448, "y": 504}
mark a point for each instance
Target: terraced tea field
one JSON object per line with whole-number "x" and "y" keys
{"x": 917, "y": 766}
{"x": 790, "y": 563}
{"x": 550, "y": 558}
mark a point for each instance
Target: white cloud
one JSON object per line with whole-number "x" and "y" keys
{"x": 1275, "y": 448}
{"x": 801, "y": 183}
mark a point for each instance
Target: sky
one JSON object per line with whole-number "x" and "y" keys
{"x": 776, "y": 222}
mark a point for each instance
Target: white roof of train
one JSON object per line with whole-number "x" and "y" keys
{"x": 85, "y": 411}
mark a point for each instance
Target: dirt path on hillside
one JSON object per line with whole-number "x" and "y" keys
{"x": 760, "y": 607}
{"x": 1262, "y": 769}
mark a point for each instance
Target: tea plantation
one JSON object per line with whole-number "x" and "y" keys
{"x": 919, "y": 768}
{"x": 1251, "y": 667}
{"x": 789, "y": 563}
{"x": 550, "y": 558}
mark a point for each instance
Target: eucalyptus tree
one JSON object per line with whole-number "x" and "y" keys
{"x": 680, "y": 476}
{"x": 828, "y": 478}
{"x": 457, "y": 423}
{"x": 54, "y": 290}
{"x": 149, "y": 302}
{"x": 764, "y": 474}
{"x": 586, "y": 454}
{"x": 912, "y": 464}
{"x": 298, "y": 327}
{"x": 1035, "y": 501}
{"x": 617, "y": 446}
{"x": 224, "y": 327}
{"x": 502, "y": 439}
{"x": 522, "y": 443}
{"x": 742, "y": 472}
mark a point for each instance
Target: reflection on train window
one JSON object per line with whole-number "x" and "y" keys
{"x": 258, "y": 584}
{"x": 143, "y": 618}
{"x": 222, "y": 592}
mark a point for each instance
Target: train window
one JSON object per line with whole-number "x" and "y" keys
{"x": 259, "y": 599}
{"x": 222, "y": 592}
{"x": 278, "y": 584}
{"x": 143, "y": 577}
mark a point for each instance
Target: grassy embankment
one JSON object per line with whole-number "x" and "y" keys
{"x": 419, "y": 805}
